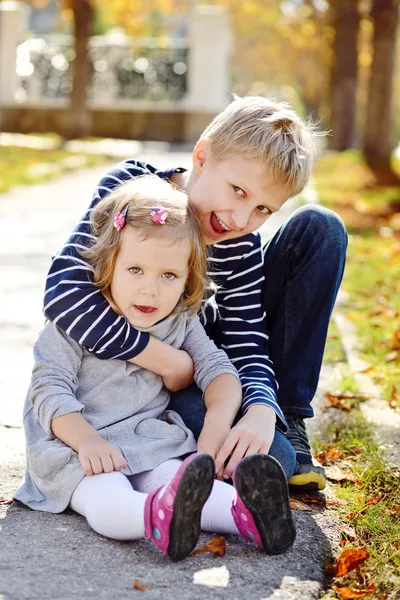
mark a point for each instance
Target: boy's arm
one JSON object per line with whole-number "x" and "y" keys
{"x": 79, "y": 309}
{"x": 243, "y": 335}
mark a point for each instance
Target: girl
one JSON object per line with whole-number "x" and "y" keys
{"x": 99, "y": 436}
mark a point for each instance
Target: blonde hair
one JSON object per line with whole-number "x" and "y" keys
{"x": 256, "y": 127}
{"x": 139, "y": 195}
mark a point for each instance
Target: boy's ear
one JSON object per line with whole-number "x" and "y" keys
{"x": 201, "y": 153}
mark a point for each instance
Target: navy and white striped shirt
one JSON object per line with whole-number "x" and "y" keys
{"x": 234, "y": 317}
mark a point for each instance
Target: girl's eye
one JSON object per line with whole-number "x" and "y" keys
{"x": 239, "y": 191}
{"x": 264, "y": 210}
{"x": 169, "y": 276}
{"x": 135, "y": 270}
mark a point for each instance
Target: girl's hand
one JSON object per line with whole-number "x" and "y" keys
{"x": 98, "y": 456}
{"x": 182, "y": 375}
{"x": 210, "y": 441}
{"x": 253, "y": 434}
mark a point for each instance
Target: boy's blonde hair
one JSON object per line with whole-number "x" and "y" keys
{"x": 140, "y": 195}
{"x": 256, "y": 127}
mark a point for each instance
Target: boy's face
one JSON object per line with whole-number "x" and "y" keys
{"x": 233, "y": 196}
{"x": 149, "y": 276}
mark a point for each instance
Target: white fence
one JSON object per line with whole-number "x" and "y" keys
{"x": 190, "y": 75}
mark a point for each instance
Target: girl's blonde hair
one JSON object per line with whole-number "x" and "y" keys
{"x": 139, "y": 195}
{"x": 256, "y": 127}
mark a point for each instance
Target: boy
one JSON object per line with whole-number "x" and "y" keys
{"x": 271, "y": 303}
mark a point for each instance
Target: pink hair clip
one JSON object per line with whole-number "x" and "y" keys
{"x": 120, "y": 218}
{"x": 159, "y": 215}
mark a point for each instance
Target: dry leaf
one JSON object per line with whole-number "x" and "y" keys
{"x": 216, "y": 546}
{"x": 333, "y": 473}
{"x": 138, "y": 586}
{"x": 296, "y": 504}
{"x": 350, "y": 559}
{"x": 348, "y": 593}
{"x": 394, "y": 344}
{"x": 4, "y": 501}
{"x": 392, "y": 356}
{"x": 330, "y": 455}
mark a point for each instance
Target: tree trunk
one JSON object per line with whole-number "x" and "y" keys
{"x": 378, "y": 139}
{"x": 79, "y": 117}
{"x": 343, "y": 83}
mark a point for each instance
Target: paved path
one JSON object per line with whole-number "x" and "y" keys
{"x": 56, "y": 556}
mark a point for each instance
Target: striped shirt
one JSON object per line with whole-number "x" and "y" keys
{"x": 233, "y": 317}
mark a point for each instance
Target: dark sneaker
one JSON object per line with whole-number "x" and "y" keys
{"x": 309, "y": 476}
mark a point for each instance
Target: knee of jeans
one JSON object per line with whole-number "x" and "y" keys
{"x": 323, "y": 222}
{"x": 283, "y": 451}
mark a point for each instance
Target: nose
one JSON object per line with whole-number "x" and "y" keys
{"x": 240, "y": 218}
{"x": 149, "y": 286}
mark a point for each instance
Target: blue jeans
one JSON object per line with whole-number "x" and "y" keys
{"x": 303, "y": 266}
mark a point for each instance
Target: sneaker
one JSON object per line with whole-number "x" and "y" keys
{"x": 260, "y": 507}
{"x": 172, "y": 513}
{"x": 309, "y": 476}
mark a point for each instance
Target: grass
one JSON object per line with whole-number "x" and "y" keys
{"x": 25, "y": 166}
{"x": 369, "y": 502}
{"x": 370, "y": 495}
{"x": 372, "y": 271}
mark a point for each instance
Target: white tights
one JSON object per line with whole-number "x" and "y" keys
{"x": 113, "y": 504}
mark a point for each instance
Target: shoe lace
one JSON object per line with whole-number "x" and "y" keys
{"x": 297, "y": 434}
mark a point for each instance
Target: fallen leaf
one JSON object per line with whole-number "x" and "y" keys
{"x": 333, "y": 473}
{"x": 4, "y": 501}
{"x": 392, "y": 356}
{"x": 348, "y": 593}
{"x": 216, "y": 546}
{"x": 350, "y": 559}
{"x": 394, "y": 344}
{"x": 138, "y": 586}
{"x": 330, "y": 455}
{"x": 296, "y": 504}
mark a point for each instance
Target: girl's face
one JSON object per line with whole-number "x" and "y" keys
{"x": 149, "y": 276}
{"x": 233, "y": 196}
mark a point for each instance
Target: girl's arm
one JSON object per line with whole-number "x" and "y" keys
{"x": 77, "y": 307}
{"x": 57, "y": 360}
{"x": 218, "y": 379}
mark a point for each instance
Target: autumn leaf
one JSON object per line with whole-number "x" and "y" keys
{"x": 216, "y": 546}
{"x": 348, "y": 593}
{"x": 391, "y": 356}
{"x": 4, "y": 501}
{"x": 330, "y": 455}
{"x": 138, "y": 586}
{"x": 394, "y": 344}
{"x": 296, "y": 504}
{"x": 349, "y": 560}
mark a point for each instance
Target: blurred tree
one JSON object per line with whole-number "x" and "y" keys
{"x": 343, "y": 83}
{"x": 378, "y": 139}
{"x": 79, "y": 117}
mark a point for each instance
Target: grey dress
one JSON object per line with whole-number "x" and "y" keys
{"x": 125, "y": 403}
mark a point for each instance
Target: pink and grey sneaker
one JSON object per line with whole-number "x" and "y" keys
{"x": 261, "y": 508}
{"x": 172, "y": 513}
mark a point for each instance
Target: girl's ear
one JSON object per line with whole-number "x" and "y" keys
{"x": 201, "y": 154}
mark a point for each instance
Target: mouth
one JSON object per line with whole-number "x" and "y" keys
{"x": 145, "y": 310}
{"x": 218, "y": 226}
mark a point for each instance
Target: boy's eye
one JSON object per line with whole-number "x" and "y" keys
{"x": 169, "y": 276}
{"x": 264, "y": 210}
{"x": 135, "y": 270}
{"x": 239, "y": 191}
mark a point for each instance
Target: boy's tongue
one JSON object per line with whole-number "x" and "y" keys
{"x": 216, "y": 225}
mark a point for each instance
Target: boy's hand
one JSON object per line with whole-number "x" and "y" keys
{"x": 182, "y": 375}
{"x": 253, "y": 434}
{"x": 98, "y": 456}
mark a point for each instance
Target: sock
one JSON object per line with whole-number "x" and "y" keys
{"x": 111, "y": 506}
